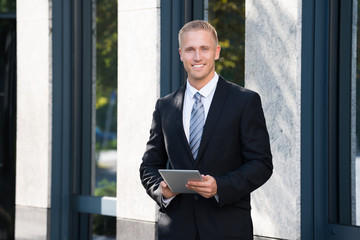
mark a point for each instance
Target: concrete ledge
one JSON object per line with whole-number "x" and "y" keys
{"x": 265, "y": 238}
{"x": 32, "y": 223}
{"x": 135, "y": 230}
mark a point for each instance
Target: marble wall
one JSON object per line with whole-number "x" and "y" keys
{"x": 273, "y": 69}
{"x": 138, "y": 90}
{"x": 33, "y": 153}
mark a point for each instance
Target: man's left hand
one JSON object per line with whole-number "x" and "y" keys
{"x": 206, "y": 188}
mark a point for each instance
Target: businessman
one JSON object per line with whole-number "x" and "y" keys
{"x": 216, "y": 127}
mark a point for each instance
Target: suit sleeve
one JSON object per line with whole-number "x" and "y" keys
{"x": 155, "y": 157}
{"x": 256, "y": 154}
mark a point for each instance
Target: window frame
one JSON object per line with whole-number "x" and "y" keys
{"x": 71, "y": 198}
{"x": 174, "y": 14}
{"x": 326, "y": 58}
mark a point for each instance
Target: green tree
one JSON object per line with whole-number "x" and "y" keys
{"x": 228, "y": 18}
{"x": 8, "y": 6}
{"x": 106, "y": 59}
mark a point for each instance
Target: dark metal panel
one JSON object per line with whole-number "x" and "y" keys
{"x": 174, "y": 14}
{"x": 333, "y": 110}
{"x": 321, "y": 46}
{"x": 344, "y": 80}
{"x": 342, "y": 232}
{"x": 61, "y": 121}
{"x": 198, "y": 9}
{"x": 85, "y": 120}
{"x": 307, "y": 115}
{"x": 165, "y": 58}
{"x": 326, "y": 75}
{"x": 177, "y": 73}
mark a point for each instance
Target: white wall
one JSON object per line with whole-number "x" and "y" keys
{"x": 138, "y": 90}
{"x": 33, "y": 146}
{"x": 33, "y": 104}
{"x": 272, "y": 68}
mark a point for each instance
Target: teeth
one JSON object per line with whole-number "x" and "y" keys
{"x": 198, "y": 65}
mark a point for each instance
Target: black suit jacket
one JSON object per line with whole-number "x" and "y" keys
{"x": 234, "y": 149}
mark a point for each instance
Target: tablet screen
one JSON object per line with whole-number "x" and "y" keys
{"x": 177, "y": 179}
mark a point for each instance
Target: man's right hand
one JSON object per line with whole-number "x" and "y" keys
{"x": 165, "y": 190}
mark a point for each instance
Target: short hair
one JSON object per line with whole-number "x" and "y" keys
{"x": 198, "y": 25}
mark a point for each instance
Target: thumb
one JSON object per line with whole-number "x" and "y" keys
{"x": 163, "y": 184}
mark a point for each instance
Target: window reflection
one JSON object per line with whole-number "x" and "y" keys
{"x": 7, "y": 6}
{"x": 228, "y": 18}
{"x": 105, "y": 99}
{"x": 104, "y": 227}
{"x": 356, "y": 121}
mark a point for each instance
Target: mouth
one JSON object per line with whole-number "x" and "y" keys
{"x": 198, "y": 65}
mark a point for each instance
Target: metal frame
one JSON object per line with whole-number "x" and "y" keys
{"x": 307, "y": 116}
{"x": 71, "y": 126}
{"x": 95, "y": 205}
{"x": 60, "y": 213}
{"x": 174, "y": 14}
{"x": 326, "y": 58}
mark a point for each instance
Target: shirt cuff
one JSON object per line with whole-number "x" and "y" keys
{"x": 166, "y": 201}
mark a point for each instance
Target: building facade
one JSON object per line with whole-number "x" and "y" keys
{"x": 300, "y": 56}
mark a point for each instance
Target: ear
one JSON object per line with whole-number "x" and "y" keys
{"x": 180, "y": 54}
{"x": 217, "y": 52}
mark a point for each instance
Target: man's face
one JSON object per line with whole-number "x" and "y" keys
{"x": 198, "y": 52}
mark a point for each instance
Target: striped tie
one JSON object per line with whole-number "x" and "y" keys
{"x": 196, "y": 124}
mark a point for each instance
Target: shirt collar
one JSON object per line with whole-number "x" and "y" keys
{"x": 204, "y": 91}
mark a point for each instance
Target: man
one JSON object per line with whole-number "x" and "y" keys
{"x": 229, "y": 145}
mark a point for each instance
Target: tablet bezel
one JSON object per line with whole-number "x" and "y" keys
{"x": 176, "y": 179}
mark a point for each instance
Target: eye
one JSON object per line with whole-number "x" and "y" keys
{"x": 189, "y": 49}
{"x": 205, "y": 48}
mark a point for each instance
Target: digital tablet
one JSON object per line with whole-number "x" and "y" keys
{"x": 177, "y": 179}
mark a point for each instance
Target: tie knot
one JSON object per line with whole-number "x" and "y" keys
{"x": 197, "y": 96}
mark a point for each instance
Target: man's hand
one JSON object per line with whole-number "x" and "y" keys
{"x": 206, "y": 188}
{"x": 165, "y": 190}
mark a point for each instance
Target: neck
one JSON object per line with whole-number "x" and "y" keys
{"x": 199, "y": 84}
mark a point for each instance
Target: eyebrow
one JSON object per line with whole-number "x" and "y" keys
{"x": 202, "y": 46}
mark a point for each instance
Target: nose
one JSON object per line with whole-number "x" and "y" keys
{"x": 197, "y": 55}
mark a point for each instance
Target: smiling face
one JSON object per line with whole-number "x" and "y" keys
{"x": 198, "y": 52}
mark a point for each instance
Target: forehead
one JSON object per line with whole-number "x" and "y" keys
{"x": 194, "y": 38}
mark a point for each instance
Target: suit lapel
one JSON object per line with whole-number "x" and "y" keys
{"x": 214, "y": 112}
{"x": 178, "y": 113}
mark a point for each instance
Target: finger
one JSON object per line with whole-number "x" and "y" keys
{"x": 163, "y": 184}
{"x": 197, "y": 183}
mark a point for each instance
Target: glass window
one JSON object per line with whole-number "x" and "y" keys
{"x": 104, "y": 227}
{"x": 228, "y": 18}
{"x": 7, "y": 126}
{"x": 345, "y": 206}
{"x": 355, "y": 171}
{"x": 7, "y": 6}
{"x": 105, "y": 127}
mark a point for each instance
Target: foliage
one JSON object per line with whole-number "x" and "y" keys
{"x": 106, "y": 188}
{"x": 228, "y": 18}
{"x": 7, "y": 6}
{"x": 111, "y": 145}
{"x": 106, "y": 59}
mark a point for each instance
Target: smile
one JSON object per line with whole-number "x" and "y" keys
{"x": 198, "y": 65}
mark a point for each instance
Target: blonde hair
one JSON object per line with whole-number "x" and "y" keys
{"x": 197, "y": 25}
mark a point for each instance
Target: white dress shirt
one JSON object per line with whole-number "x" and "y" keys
{"x": 208, "y": 93}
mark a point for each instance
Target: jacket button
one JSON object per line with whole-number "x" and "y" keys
{"x": 196, "y": 197}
